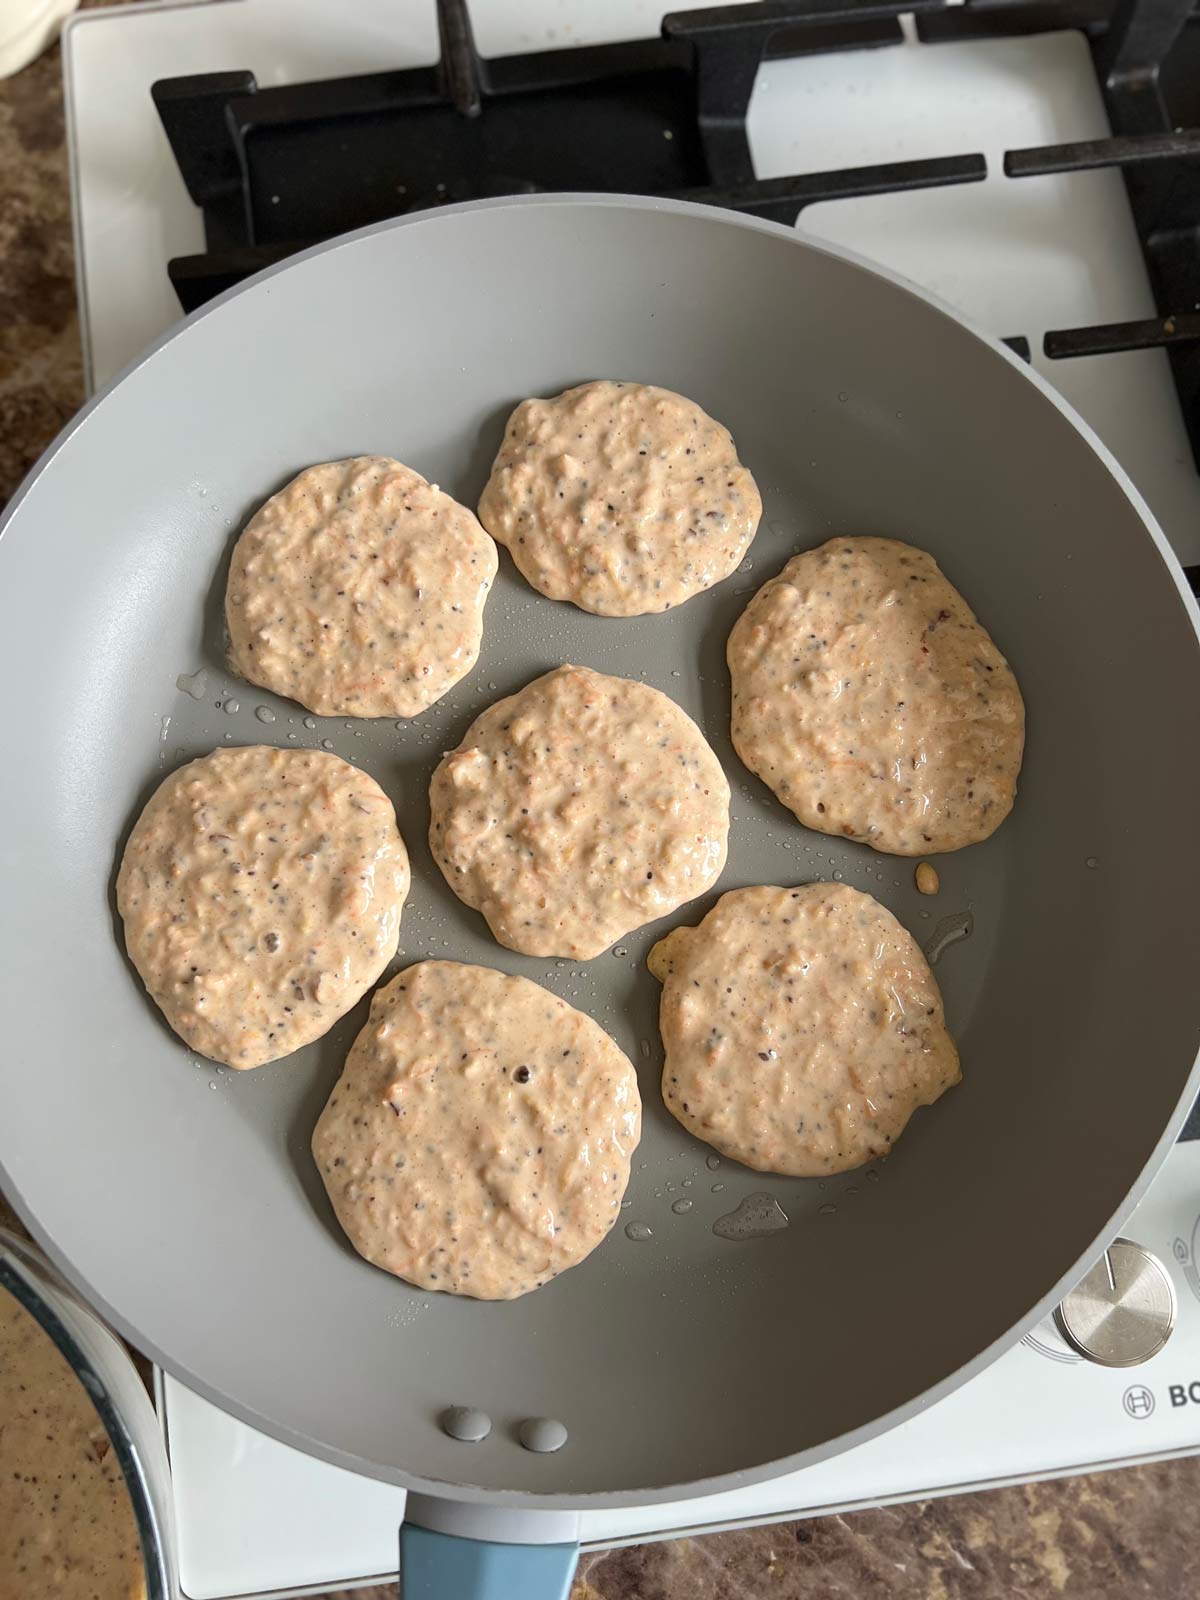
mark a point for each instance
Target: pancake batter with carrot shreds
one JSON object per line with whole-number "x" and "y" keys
{"x": 620, "y": 497}
{"x": 802, "y": 1028}
{"x": 479, "y": 1138}
{"x": 869, "y": 697}
{"x": 67, "y": 1530}
{"x": 261, "y": 892}
{"x": 358, "y": 590}
{"x": 577, "y": 810}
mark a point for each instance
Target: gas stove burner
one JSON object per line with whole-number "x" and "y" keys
{"x": 275, "y": 170}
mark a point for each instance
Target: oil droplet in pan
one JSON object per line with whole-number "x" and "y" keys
{"x": 264, "y": 713}
{"x": 947, "y": 932}
{"x": 681, "y": 1206}
{"x": 756, "y": 1216}
{"x": 639, "y": 1232}
{"x": 193, "y": 683}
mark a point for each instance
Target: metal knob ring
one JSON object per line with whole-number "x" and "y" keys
{"x": 1122, "y": 1311}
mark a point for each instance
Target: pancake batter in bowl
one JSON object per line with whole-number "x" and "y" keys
{"x": 802, "y": 1028}
{"x": 870, "y": 699}
{"x": 479, "y": 1138}
{"x": 620, "y": 497}
{"x": 358, "y": 590}
{"x": 67, "y": 1530}
{"x": 261, "y": 892}
{"x": 577, "y": 810}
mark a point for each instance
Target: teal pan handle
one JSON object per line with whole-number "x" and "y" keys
{"x": 445, "y": 1566}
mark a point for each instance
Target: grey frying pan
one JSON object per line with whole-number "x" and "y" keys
{"x": 183, "y": 1200}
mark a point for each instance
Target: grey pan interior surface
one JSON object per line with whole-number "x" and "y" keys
{"x": 183, "y": 1199}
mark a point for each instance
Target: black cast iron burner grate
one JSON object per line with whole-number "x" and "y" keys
{"x": 275, "y": 170}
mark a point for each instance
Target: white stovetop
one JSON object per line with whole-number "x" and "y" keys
{"x": 1019, "y": 257}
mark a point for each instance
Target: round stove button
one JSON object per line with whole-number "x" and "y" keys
{"x": 1123, "y": 1310}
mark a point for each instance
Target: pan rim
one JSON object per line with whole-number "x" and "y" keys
{"x": 784, "y": 1465}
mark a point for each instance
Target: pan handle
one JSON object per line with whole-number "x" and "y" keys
{"x": 453, "y": 1551}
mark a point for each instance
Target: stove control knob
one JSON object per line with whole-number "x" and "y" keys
{"x": 1123, "y": 1310}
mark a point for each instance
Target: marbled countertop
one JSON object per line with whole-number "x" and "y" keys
{"x": 1109, "y": 1536}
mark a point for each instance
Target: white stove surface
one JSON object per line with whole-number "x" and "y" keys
{"x": 1018, "y": 257}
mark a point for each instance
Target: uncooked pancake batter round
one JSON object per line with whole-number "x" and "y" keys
{"x": 620, "y": 497}
{"x": 870, "y": 699}
{"x": 479, "y": 1138}
{"x": 577, "y": 810}
{"x": 261, "y": 892}
{"x": 358, "y": 590}
{"x": 802, "y": 1028}
{"x": 67, "y": 1530}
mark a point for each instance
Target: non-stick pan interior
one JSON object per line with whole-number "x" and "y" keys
{"x": 184, "y": 1199}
